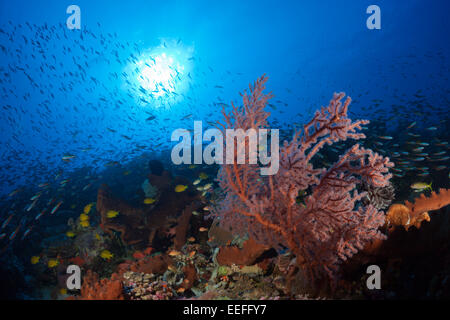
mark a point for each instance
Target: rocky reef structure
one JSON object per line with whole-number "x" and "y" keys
{"x": 333, "y": 224}
{"x": 142, "y": 224}
{"x": 129, "y": 221}
{"x": 247, "y": 255}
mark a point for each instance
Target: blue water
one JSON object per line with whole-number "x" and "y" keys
{"x": 77, "y": 93}
{"x": 308, "y": 50}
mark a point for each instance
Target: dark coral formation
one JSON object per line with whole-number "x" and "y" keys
{"x": 127, "y": 223}
{"x": 245, "y": 256}
{"x": 141, "y": 224}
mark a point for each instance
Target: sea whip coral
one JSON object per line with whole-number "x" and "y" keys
{"x": 332, "y": 224}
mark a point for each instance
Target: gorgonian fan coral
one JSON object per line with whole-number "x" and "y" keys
{"x": 331, "y": 224}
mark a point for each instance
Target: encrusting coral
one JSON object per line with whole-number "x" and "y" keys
{"x": 104, "y": 289}
{"x": 250, "y": 251}
{"x": 412, "y": 214}
{"x": 333, "y": 224}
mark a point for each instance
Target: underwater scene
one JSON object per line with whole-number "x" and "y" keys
{"x": 224, "y": 150}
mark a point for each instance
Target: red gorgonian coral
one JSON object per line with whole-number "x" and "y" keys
{"x": 332, "y": 224}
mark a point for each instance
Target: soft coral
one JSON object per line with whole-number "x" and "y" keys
{"x": 333, "y": 224}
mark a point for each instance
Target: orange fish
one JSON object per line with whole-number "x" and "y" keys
{"x": 174, "y": 253}
{"x": 138, "y": 255}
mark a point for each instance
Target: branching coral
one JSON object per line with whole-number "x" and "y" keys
{"x": 412, "y": 214}
{"x": 333, "y": 224}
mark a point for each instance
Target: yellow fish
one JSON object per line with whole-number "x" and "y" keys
{"x": 84, "y": 217}
{"x": 87, "y": 208}
{"x": 421, "y": 186}
{"x": 70, "y": 234}
{"x": 97, "y": 236}
{"x": 112, "y": 214}
{"x": 203, "y": 176}
{"x": 84, "y": 223}
{"x": 180, "y": 188}
{"x": 207, "y": 186}
{"x": 149, "y": 200}
{"x": 192, "y": 166}
{"x": 35, "y": 259}
{"x": 106, "y": 254}
{"x": 52, "y": 263}
{"x": 63, "y": 291}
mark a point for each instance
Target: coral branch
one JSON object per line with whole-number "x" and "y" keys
{"x": 412, "y": 214}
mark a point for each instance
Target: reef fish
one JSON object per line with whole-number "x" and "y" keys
{"x": 180, "y": 188}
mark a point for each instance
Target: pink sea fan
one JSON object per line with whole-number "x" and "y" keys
{"x": 332, "y": 224}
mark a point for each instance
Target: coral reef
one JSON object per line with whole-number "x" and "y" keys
{"x": 104, "y": 289}
{"x": 144, "y": 286}
{"x": 333, "y": 224}
{"x": 157, "y": 264}
{"x": 89, "y": 244}
{"x": 141, "y": 224}
{"x": 128, "y": 221}
{"x": 183, "y": 225}
{"x": 190, "y": 276}
{"x": 247, "y": 255}
{"x": 219, "y": 236}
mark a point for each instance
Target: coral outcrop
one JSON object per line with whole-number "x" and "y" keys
{"x": 104, "y": 289}
{"x": 141, "y": 224}
{"x": 152, "y": 264}
{"x": 245, "y": 256}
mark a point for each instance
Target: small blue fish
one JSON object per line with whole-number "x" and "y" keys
{"x": 56, "y": 207}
